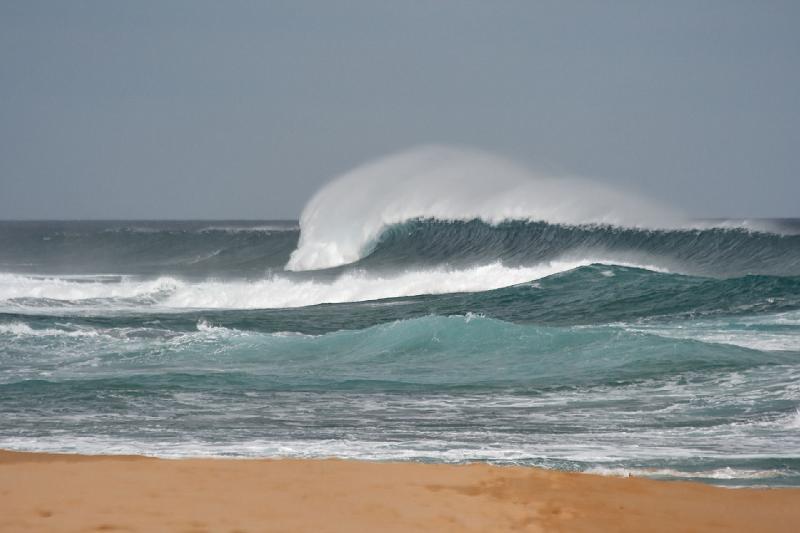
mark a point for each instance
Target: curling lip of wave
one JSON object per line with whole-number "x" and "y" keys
{"x": 277, "y": 291}
{"x": 346, "y": 216}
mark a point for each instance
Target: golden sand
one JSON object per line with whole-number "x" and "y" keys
{"x": 44, "y": 492}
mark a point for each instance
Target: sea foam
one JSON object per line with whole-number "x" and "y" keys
{"x": 19, "y": 292}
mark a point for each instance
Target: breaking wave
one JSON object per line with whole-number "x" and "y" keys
{"x": 19, "y": 292}
{"x": 346, "y": 216}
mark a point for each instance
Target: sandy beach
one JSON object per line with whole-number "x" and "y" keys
{"x": 45, "y": 492}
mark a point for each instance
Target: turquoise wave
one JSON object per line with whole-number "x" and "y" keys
{"x": 433, "y": 351}
{"x": 594, "y": 294}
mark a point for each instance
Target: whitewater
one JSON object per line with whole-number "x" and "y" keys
{"x": 440, "y": 304}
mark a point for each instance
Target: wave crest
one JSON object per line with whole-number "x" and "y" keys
{"x": 346, "y": 216}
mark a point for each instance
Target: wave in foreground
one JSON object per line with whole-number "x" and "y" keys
{"x": 435, "y": 388}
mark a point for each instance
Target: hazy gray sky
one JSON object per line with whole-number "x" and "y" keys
{"x": 192, "y": 109}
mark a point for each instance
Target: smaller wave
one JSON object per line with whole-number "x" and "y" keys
{"x": 282, "y": 292}
{"x": 276, "y": 291}
{"x": 21, "y": 329}
{"x": 773, "y": 332}
{"x": 204, "y": 326}
{"x": 793, "y": 420}
{"x": 129, "y": 229}
{"x": 432, "y": 352}
{"x": 100, "y": 337}
{"x": 189, "y": 227}
{"x": 267, "y": 228}
{"x": 726, "y": 473}
{"x": 76, "y": 289}
{"x": 778, "y": 226}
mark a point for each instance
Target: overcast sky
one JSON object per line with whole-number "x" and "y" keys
{"x": 227, "y": 109}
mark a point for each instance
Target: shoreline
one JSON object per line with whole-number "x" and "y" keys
{"x": 54, "y": 492}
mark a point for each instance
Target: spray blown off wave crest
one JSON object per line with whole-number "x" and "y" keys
{"x": 345, "y": 217}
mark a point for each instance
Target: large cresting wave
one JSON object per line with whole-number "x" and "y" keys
{"x": 343, "y": 219}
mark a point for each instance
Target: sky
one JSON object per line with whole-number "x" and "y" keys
{"x": 194, "y": 109}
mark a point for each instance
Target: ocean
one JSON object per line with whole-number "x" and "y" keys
{"x": 672, "y": 353}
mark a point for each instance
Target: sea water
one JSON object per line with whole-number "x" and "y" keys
{"x": 666, "y": 349}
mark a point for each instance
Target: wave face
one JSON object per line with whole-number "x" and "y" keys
{"x": 713, "y": 251}
{"x": 670, "y": 352}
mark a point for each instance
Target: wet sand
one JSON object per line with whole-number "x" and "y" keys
{"x": 45, "y": 492}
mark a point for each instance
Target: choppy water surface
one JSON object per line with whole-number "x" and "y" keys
{"x": 670, "y": 353}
